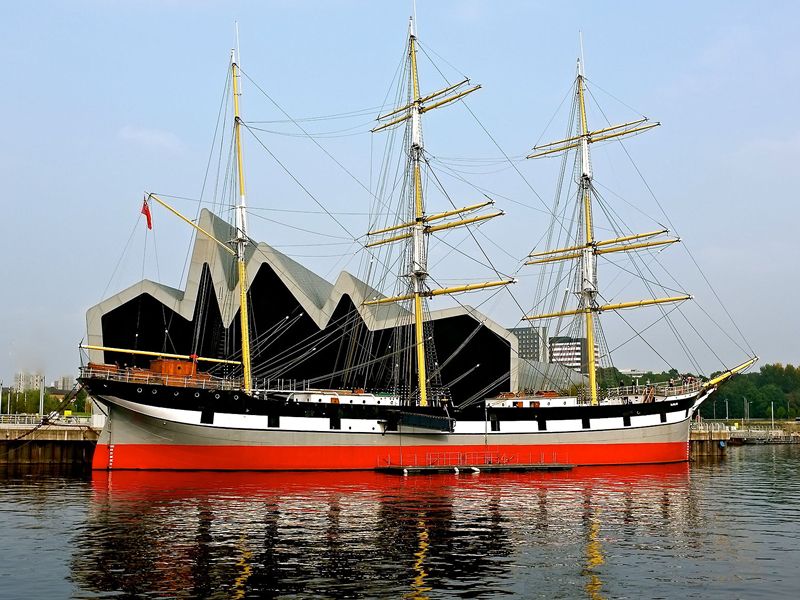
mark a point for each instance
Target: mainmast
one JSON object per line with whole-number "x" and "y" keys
{"x": 419, "y": 245}
{"x": 587, "y": 251}
{"x": 420, "y": 228}
{"x": 241, "y": 229}
{"x": 588, "y": 259}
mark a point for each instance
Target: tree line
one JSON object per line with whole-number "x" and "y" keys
{"x": 27, "y": 402}
{"x": 772, "y": 386}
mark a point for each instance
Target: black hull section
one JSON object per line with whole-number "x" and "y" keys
{"x": 210, "y": 402}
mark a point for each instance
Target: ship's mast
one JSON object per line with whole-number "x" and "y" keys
{"x": 588, "y": 261}
{"x": 586, "y": 252}
{"x": 241, "y": 229}
{"x": 420, "y": 228}
{"x": 419, "y": 254}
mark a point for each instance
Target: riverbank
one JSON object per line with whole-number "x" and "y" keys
{"x": 26, "y": 441}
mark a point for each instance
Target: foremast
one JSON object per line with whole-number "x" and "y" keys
{"x": 586, "y": 252}
{"x": 241, "y": 230}
{"x": 420, "y": 228}
{"x": 240, "y": 241}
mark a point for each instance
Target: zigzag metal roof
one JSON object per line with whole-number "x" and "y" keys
{"x": 317, "y": 297}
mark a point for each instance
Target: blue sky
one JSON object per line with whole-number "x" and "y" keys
{"x": 104, "y": 99}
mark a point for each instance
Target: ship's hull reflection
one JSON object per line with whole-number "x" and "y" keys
{"x": 207, "y": 534}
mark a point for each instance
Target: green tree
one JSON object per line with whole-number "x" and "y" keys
{"x": 773, "y": 385}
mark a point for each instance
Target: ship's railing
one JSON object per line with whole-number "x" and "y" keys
{"x": 149, "y": 377}
{"x": 282, "y": 385}
{"x": 655, "y": 389}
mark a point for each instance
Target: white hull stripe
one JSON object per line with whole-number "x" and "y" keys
{"x": 322, "y": 424}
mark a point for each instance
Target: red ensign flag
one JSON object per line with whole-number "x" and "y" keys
{"x": 146, "y": 213}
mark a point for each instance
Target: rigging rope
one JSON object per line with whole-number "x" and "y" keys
{"x": 674, "y": 229}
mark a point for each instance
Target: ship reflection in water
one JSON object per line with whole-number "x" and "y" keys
{"x": 202, "y": 534}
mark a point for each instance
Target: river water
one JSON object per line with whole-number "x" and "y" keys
{"x": 726, "y": 529}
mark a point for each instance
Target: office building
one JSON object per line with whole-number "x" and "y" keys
{"x": 532, "y": 343}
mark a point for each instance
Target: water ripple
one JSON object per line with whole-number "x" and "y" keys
{"x": 717, "y": 530}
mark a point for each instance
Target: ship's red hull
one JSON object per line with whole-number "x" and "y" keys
{"x": 301, "y": 458}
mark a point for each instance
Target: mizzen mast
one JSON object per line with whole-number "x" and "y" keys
{"x": 241, "y": 229}
{"x": 587, "y": 251}
{"x": 420, "y": 228}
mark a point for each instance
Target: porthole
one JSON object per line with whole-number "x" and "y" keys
{"x": 176, "y": 394}
{"x": 236, "y": 396}
{"x": 138, "y": 390}
{"x": 363, "y": 402}
{"x": 154, "y": 392}
{"x": 216, "y": 396}
{"x": 197, "y": 394}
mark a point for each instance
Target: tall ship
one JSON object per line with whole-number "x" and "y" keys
{"x": 260, "y": 364}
